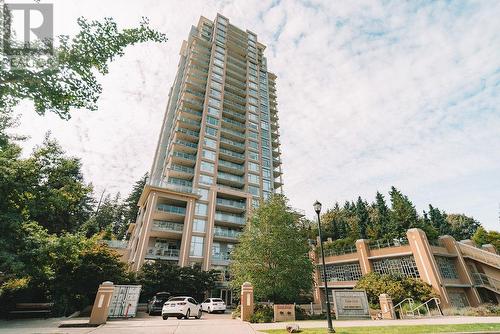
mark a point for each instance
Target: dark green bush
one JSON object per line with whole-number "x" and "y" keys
{"x": 262, "y": 313}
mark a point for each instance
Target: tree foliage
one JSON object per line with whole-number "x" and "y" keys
{"x": 186, "y": 281}
{"x": 68, "y": 78}
{"x": 482, "y": 237}
{"x": 273, "y": 254}
{"x": 398, "y": 287}
{"x": 379, "y": 221}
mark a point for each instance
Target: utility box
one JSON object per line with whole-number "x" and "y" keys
{"x": 124, "y": 301}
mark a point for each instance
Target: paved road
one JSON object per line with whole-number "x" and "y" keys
{"x": 209, "y": 324}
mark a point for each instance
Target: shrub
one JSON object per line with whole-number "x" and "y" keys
{"x": 236, "y": 313}
{"x": 262, "y": 313}
{"x": 480, "y": 311}
{"x": 301, "y": 314}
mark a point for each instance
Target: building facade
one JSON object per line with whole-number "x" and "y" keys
{"x": 217, "y": 156}
{"x": 460, "y": 273}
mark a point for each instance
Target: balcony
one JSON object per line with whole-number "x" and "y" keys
{"x": 231, "y": 167}
{"x": 230, "y": 179}
{"x": 187, "y": 134}
{"x": 167, "y": 226}
{"x": 182, "y": 169}
{"x": 171, "y": 209}
{"x": 241, "y": 117}
{"x": 220, "y": 258}
{"x": 187, "y": 146}
{"x": 235, "y": 106}
{"x": 191, "y": 113}
{"x": 229, "y": 218}
{"x": 189, "y": 123}
{"x": 227, "y": 203}
{"x": 234, "y": 124}
{"x": 184, "y": 158}
{"x": 232, "y": 96}
{"x": 192, "y": 103}
{"x": 162, "y": 254}
{"x": 232, "y": 134}
{"x": 231, "y": 144}
{"x": 232, "y": 156}
{"x": 226, "y": 233}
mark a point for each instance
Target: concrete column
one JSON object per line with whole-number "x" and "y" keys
{"x": 143, "y": 239}
{"x": 316, "y": 276}
{"x": 462, "y": 270}
{"x": 363, "y": 252}
{"x": 100, "y": 310}
{"x": 489, "y": 248}
{"x": 468, "y": 242}
{"x": 186, "y": 233}
{"x": 387, "y": 307}
{"x": 247, "y": 303}
{"x": 426, "y": 263}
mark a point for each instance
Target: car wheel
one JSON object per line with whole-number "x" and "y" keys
{"x": 199, "y": 314}
{"x": 209, "y": 310}
{"x": 188, "y": 314}
{"x": 165, "y": 317}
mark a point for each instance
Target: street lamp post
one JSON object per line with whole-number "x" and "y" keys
{"x": 317, "y": 208}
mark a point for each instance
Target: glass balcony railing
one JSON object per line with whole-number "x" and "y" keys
{"x": 231, "y": 153}
{"x": 235, "y": 123}
{"x": 234, "y": 105}
{"x": 226, "y": 233}
{"x": 184, "y": 169}
{"x": 232, "y": 142}
{"x": 184, "y": 155}
{"x": 233, "y": 132}
{"x": 237, "y": 115}
{"x": 171, "y": 209}
{"x": 191, "y": 111}
{"x": 221, "y": 256}
{"x": 230, "y": 177}
{"x": 186, "y": 143}
{"x": 232, "y": 165}
{"x": 179, "y": 182}
{"x": 162, "y": 225}
{"x": 189, "y": 121}
{"x": 231, "y": 203}
{"x": 162, "y": 253}
{"x": 188, "y": 132}
{"x": 230, "y": 218}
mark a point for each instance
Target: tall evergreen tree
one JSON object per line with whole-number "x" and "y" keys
{"x": 438, "y": 221}
{"x": 363, "y": 218}
{"x": 380, "y": 227}
{"x": 403, "y": 214}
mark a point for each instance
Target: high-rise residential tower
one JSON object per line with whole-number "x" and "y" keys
{"x": 217, "y": 156}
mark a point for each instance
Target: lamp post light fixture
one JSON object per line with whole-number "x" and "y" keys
{"x": 317, "y": 208}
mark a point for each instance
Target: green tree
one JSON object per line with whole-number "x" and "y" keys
{"x": 380, "y": 227}
{"x": 162, "y": 276}
{"x": 482, "y": 237}
{"x": 438, "y": 221}
{"x": 398, "y": 287}
{"x": 363, "y": 217}
{"x": 69, "y": 79}
{"x": 403, "y": 214}
{"x": 273, "y": 254}
{"x": 130, "y": 206}
{"x": 462, "y": 227}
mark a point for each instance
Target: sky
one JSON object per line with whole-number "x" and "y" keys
{"x": 371, "y": 94}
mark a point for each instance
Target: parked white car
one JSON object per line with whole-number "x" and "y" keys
{"x": 181, "y": 307}
{"x": 213, "y": 305}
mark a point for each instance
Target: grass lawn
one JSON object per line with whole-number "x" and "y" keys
{"x": 400, "y": 329}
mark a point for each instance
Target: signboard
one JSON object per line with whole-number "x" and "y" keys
{"x": 124, "y": 301}
{"x": 284, "y": 312}
{"x": 351, "y": 304}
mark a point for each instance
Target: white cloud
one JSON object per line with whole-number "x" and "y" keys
{"x": 370, "y": 95}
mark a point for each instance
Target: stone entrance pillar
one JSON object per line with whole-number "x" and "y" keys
{"x": 246, "y": 301}
{"x": 387, "y": 307}
{"x": 100, "y": 309}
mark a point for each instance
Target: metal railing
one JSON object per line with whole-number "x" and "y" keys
{"x": 479, "y": 255}
{"x": 336, "y": 252}
{"x": 171, "y": 209}
{"x": 162, "y": 225}
{"x": 486, "y": 281}
{"x": 378, "y": 244}
{"x": 221, "y": 256}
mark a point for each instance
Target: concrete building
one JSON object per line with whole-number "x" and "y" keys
{"x": 217, "y": 156}
{"x": 460, "y": 273}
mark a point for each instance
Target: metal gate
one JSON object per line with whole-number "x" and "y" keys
{"x": 124, "y": 301}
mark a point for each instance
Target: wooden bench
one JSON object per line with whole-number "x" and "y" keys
{"x": 44, "y": 309}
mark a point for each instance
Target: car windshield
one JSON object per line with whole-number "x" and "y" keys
{"x": 217, "y": 300}
{"x": 177, "y": 299}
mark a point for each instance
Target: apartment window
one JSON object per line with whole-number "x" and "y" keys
{"x": 266, "y": 162}
{"x": 253, "y": 100}
{"x": 253, "y": 126}
{"x": 253, "y": 135}
{"x": 218, "y": 62}
{"x": 264, "y": 125}
{"x": 253, "y": 117}
{"x": 252, "y": 85}
{"x": 252, "y": 92}
{"x": 214, "y": 102}
{"x": 266, "y": 173}
{"x": 219, "y": 55}
{"x": 255, "y": 203}
{"x": 253, "y": 190}
{"x": 216, "y": 94}
{"x": 265, "y": 152}
{"x": 207, "y": 180}
{"x": 218, "y": 70}
{"x": 266, "y": 195}
{"x": 252, "y": 37}
{"x": 253, "y": 178}
{"x": 220, "y": 49}
{"x": 211, "y": 131}
{"x": 252, "y": 66}
{"x": 252, "y": 78}
{"x": 267, "y": 185}
{"x": 212, "y": 120}
{"x": 265, "y": 142}
{"x": 207, "y": 167}
{"x": 216, "y": 85}
{"x": 253, "y": 108}
{"x": 199, "y": 225}
{"x": 216, "y": 76}
{"x": 253, "y": 145}
{"x": 196, "y": 246}
{"x": 200, "y": 209}
{"x": 210, "y": 143}
{"x": 203, "y": 193}
{"x": 253, "y": 155}
{"x": 207, "y": 154}
{"x": 214, "y": 112}
{"x": 252, "y": 166}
